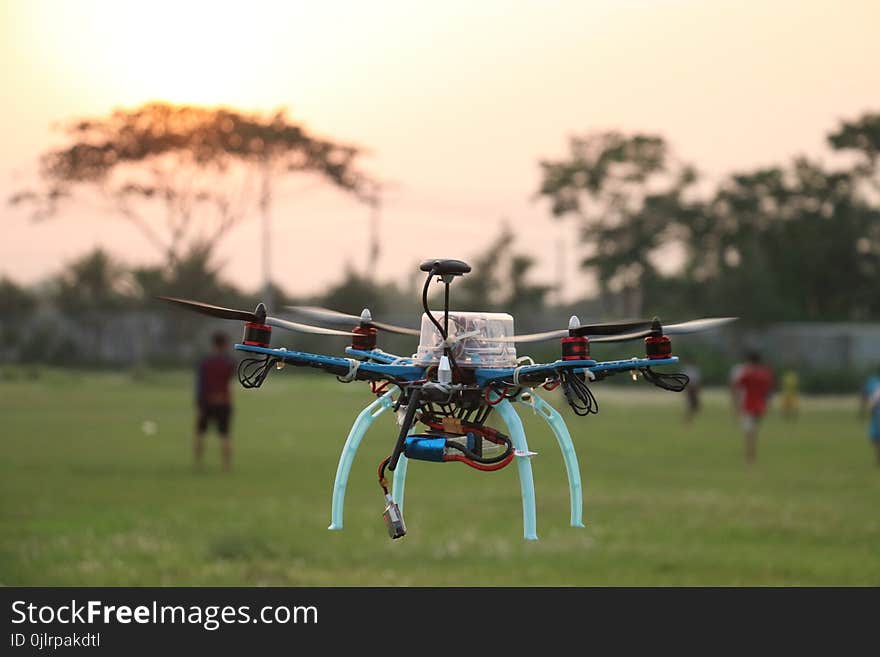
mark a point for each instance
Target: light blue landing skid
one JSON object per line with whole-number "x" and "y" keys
{"x": 398, "y": 486}
{"x": 363, "y": 422}
{"x": 560, "y": 430}
{"x": 524, "y": 464}
{"x": 517, "y": 436}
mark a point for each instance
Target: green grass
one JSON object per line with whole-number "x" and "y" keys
{"x": 86, "y": 498}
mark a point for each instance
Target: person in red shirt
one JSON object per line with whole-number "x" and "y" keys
{"x": 751, "y": 385}
{"x": 214, "y": 399}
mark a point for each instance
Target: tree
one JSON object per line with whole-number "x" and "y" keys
{"x": 192, "y": 275}
{"x": 500, "y": 279}
{"x": 862, "y": 136}
{"x": 91, "y": 290}
{"x": 205, "y": 169}
{"x": 627, "y": 192}
{"x": 95, "y": 282}
{"x": 15, "y": 301}
{"x": 524, "y": 295}
{"x": 16, "y": 305}
{"x": 786, "y": 243}
{"x": 479, "y": 289}
{"x": 355, "y": 292}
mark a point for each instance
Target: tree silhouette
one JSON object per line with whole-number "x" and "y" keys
{"x": 202, "y": 169}
{"x": 796, "y": 242}
{"x": 627, "y": 191}
{"x": 192, "y": 275}
{"x": 95, "y": 282}
{"x": 90, "y": 290}
{"x": 499, "y": 280}
{"x": 17, "y": 304}
{"x": 861, "y": 135}
{"x": 15, "y": 301}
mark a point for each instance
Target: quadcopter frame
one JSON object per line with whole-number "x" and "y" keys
{"x": 452, "y": 384}
{"x": 376, "y": 364}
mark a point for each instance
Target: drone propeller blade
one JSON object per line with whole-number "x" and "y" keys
{"x": 696, "y": 325}
{"x": 246, "y": 316}
{"x": 325, "y": 314}
{"x": 623, "y": 337}
{"x": 305, "y": 328}
{"x": 693, "y": 326}
{"x": 336, "y": 317}
{"x": 604, "y": 328}
{"x": 391, "y": 328}
{"x": 611, "y": 328}
{"x": 214, "y": 311}
{"x": 534, "y": 337}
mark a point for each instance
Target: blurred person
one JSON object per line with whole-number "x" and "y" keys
{"x": 870, "y": 406}
{"x": 692, "y": 392}
{"x": 750, "y": 386}
{"x": 790, "y": 394}
{"x": 735, "y": 394}
{"x": 214, "y": 399}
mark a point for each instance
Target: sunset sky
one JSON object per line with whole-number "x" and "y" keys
{"x": 456, "y": 102}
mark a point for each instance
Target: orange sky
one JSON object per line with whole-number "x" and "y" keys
{"x": 455, "y": 100}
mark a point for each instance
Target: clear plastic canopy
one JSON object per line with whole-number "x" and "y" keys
{"x": 474, "y": 337}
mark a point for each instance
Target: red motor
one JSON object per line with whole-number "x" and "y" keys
{"x": 658, "y": 346}
{"x": 257, "y": 335}
{"x": 575, "y": 347}
{"x": 364, "y": 338}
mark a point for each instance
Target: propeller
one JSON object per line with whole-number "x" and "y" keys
{"x": 576, "y": 328}
{"x": 693, "y": 326}
{"x": 336, "y": 317}
{"x": 258, "y": 315}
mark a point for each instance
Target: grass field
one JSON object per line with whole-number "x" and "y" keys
{"x": 86, "y": 498}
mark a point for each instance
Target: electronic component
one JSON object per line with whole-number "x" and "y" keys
{"x": 393, "y": 519}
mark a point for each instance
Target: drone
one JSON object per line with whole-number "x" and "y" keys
{"x": 465, "y": 368}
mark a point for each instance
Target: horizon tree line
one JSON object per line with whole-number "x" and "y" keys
{"x": 797, "y": 241}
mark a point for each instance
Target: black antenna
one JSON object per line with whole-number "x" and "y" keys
{"x": 446, "y": 270}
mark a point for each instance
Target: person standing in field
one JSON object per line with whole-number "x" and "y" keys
{"x": 692, "y": 392}
{"x": 214, "y": 400}
{"x": 790, "y": 394}
{"x": 871, "y": 407}
{"x": 750, "y": 386}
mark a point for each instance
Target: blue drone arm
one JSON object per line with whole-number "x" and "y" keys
{"x": 536, "y": 373}
{"x": 378, "y": 356}
{"x": 376, "y": 364}
{"x": 341, "y": 366}
{"x": 531, "y": 373}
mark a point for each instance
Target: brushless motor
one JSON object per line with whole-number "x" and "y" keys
{"x": 658, "y": 346}
{"x": 575, "y": 348}
{"x": 364, "y": 338}
{"x": 257, "y": 335}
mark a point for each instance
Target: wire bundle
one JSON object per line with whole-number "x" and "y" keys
{"x": 578, "y": 394}
{"x": 480, "y": 462}
{"x": 672, "y": 381}
{"x": 469, "y": 457}
{"x": 253, "y": 371}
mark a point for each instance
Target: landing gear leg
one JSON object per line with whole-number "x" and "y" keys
{"x": 363, "y": 422}
{"x": 524, "y": 464}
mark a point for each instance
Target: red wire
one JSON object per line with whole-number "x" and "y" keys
{"x": 485, "y": 467}
{"x": 489, "y": 401}
{"x": 380, "y": 472}
{"x": 488, "y": 433}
